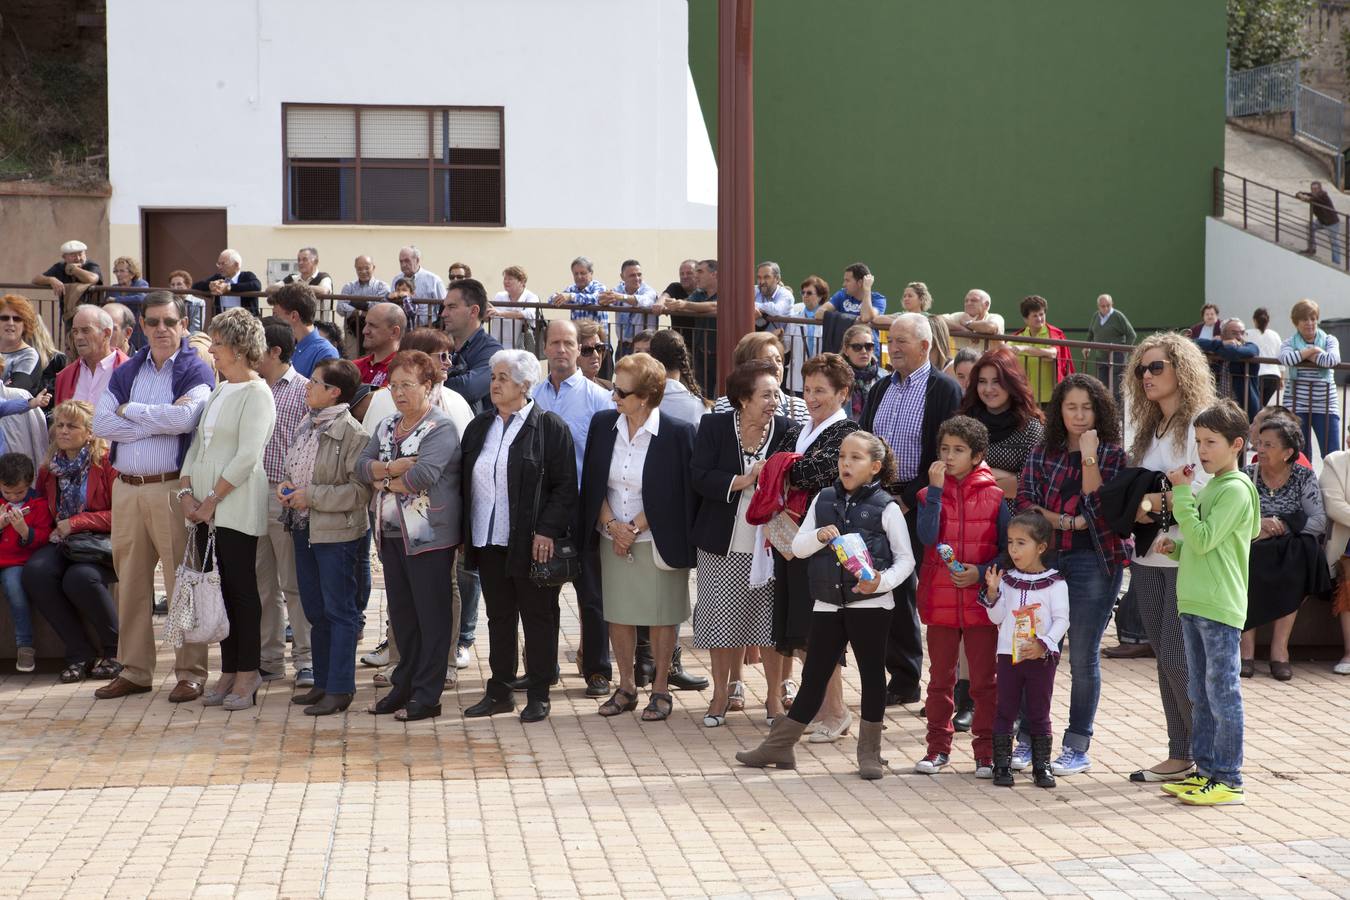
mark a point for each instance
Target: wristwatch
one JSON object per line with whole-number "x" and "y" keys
{"x": 1089, "y": 461}
{"x": 211, "y": 495}
{"x": 1065, "y": 523}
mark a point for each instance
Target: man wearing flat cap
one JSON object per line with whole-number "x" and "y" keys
{"x": 71, "y": 277}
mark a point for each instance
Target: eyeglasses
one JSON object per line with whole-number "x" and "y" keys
{"x": 314, "y": 382}
{"x": 858, "y": 348}
{"x": 155, "y": 323}
{"x": 622, "y": 394}
{"x": 446, "y": 356}
{"x": 1155, "y": 368}
{"x": 591, "y": 350}
{"x": 8, "y": 318}
{"x": 400, "y": 386}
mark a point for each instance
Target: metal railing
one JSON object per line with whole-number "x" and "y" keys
{"x": 1320, "y": 118}
{"x": 1264, "y": 90}
{"x": 1278, "y": 217}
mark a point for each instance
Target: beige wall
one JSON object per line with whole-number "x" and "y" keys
{"x": 35, "y": 225}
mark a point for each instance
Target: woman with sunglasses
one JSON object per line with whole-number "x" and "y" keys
{"x": 860, "y": 351}
{"x": 18, "y": 330}
{"x": 1169, "y": 384}
{"x": 436, "y": 344}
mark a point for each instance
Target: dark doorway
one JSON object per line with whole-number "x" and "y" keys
{"x": 188, "y": 239}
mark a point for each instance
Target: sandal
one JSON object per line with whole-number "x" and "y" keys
{"x": 73, "y": 673}
{"x": 614, "y": 706}
{"x": 105, "y": 669}
{"x": 381, "y": 679}
{"x": 789, "y": 695}
{"x": 654, "y": 711}
{"x": 713, "y": 721}
{"x": 737, "y": 701}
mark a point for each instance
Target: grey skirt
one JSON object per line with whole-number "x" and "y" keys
{"x": 636, "y": 592}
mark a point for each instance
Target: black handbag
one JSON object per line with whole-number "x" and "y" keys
{"x": 565, "y": 564}
{"x": 88, "y": 547}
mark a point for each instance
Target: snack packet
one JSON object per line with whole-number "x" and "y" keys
{"x": 851, "y": 551}
{"x": 1024, "y": 629}
{"x": 948, "y": 556}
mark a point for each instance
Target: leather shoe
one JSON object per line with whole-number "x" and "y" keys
{"x": 416, "y": 711}
{"x": 309, "y": 697}
{"x": 1281, "y": 671}
{"x": 1142, "y": 650}
{"x": 120, "y": 687}
{"x": 644, "y": 670}
{"x": 597, "y": 685}
{"x": 329, "y": 704}
{"x": 389, "y": 703}
{"x": 535, "y": 711}
{"x": 489, "y": 707}
{"x": 523, "y": 682}
{"x": 681, "y": 680}
{"x": 901, "y": 697}
{"x": 185, "y": 692}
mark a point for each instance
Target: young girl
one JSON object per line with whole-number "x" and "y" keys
{"x": 1028, "y": 589}
{"x": 847, "y": 611}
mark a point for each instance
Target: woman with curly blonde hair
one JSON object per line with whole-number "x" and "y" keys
{"x": 1169, "y": 384}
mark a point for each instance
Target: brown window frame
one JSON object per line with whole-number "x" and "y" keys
{"x": 432, "y": 167}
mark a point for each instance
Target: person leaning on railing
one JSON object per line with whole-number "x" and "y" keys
{"x": 1324, "y": 218}
{"x": 1310, "y": 392}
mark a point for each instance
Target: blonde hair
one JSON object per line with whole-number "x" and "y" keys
{"x": 750, "y": 346}
{"x": 1195, "y": 384}
{"x": 82, "y": 413}
{"x": 43, "y": 343}
{"x": 130, "y": 263}
{"x": 242, "y": 332}
{"x": 939, "y": 351}
{"x": 921, "y": 290}
{"x": 1304, "y": 310}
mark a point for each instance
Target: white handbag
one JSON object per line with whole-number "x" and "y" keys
{"x": 197, "y": 608}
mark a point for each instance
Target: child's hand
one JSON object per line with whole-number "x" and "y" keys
{"x": 992, "y": 578}
{"x": 1181, "y": 475}
{"x": 968, "y": 576}
{"x": 868, "y": 587}
{"x": 1165, "y": 545}
{"x": 1030, "y": 650}
{"x": 937, "y": 473}
{"x": 827, "y": 534}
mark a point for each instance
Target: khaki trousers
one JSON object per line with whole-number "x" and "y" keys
{"x": 148, "y": 528}
{"x": 277, "y": 584}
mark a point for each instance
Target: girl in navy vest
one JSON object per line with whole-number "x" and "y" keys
{"x": 847, "y": 611}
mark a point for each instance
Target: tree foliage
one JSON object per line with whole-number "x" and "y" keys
{"x": 1266, "y": 31}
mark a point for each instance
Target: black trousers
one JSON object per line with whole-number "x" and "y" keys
{"x": 68, "y": 595}
{"x": 831, "y": 632}
{"x": 238, "y": 556}
{"x": 591, "y": 609}
{"x": 904, "y": 649}
{"x": 508, "y": 597}
{"x": 422, "y": 614}
{"x": 1269, "y": 384}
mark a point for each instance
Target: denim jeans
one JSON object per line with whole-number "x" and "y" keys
{"x": 18, "y": 605}
{"x": 470, "y": 589}
{"x": 1213, "y": 657}
{"x": 1333, "y": 238}
{"x": 1326, "y": 427}
{"x": 363, "y": 580}
{"x": 327, "y": 575}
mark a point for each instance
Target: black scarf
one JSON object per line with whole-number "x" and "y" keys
{"x": 1001, "y": 425}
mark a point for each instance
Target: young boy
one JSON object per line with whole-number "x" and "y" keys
{"x": 963, "y": 508}
{"x": 25, "y": 525}
{"x": 1217, "y": 528}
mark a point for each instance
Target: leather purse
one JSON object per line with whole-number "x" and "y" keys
{"x": 565, "y": 564}
{"x": 88, "y": 547}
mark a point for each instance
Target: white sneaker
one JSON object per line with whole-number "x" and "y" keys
{"x": 377, "y": 658}
{"x": 463, "y": 656}
{"x": 1342, "y": 667}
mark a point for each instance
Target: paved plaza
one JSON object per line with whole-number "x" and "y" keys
{"x": 138, "y": 797}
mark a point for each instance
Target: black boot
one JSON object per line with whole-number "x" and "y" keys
{"x": 1040, "y": 760}
{"x": 965, "y": 707}
{"x": 681, "y": 680}
{"x": 1003, "y": 747}
{"x": 644, "y": 670}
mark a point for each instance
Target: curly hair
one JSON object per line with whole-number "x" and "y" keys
{"x": 1105, "y": 414}
{"x": 968, "y": 431}
{"x": 242, "y": 332}
{"x": 833, "y": 368}
{"x": 1195, "y": 384}
{"x": 1011, "y": 378}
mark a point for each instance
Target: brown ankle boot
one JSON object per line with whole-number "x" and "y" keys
{"x": 777, "y": 748}
{"x": 870, "y": 764}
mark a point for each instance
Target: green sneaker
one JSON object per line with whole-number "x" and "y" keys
{"x": 1177, "y": 788}
{"x": 1216, "y": 793}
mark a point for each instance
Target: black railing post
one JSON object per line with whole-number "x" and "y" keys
{"x": 1244, "y": 204}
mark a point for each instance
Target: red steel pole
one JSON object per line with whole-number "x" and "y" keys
{"x": 735, "y": 179}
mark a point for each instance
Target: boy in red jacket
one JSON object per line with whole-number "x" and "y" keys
{"x": 25, "y": 525}
{"x": 962, "y": 509}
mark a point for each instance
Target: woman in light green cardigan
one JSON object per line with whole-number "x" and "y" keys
{"x": 225, "y": 487}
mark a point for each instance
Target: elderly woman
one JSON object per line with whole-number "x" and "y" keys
{"x": 1045, "y": 364}
{"x": 1168, "y": 383}
{"x": 735, "y": 597}
{"x": 765, "y": 345}
{"x": 225, "y": 492}
{"x": 1208, "y": 326}
{"x": 1000, "y": 398}
{"x": 413, "y": 463}
{"x": 76, "y": 482}
{"x": 1310, "y": 392}
{"x": 519, "y": 497}
{"x": 128, "y": 274}
{"x": 860, "y": 351}
{"x": 18, "y": 329}
{"x": 324, "y": 508}
{"x": 1293, "y": 520}
{"x": 637, "y": 507}
{"x": 683, "y": 398}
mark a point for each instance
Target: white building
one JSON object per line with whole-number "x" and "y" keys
{"x": 492, "y": 132}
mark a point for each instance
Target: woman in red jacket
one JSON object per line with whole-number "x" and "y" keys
{"x": 76, "y": 483}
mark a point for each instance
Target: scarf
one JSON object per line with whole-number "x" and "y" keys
{"x": 863, "y": 379}
{"x": 1299, "y": 373}
{"x": 71, "y": 477}
{"x": 1001, "y": 425}
{"x": 303, "y": 452}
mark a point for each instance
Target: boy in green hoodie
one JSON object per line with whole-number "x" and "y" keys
{"x": 1217, "y": 528}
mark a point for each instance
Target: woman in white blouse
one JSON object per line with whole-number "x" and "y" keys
{"x": 1270, "y": 375}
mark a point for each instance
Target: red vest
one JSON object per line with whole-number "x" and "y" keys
{"x": 970, "y": 509}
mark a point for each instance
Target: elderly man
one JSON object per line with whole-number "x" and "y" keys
{"x": 307, "y": 272}
{"x": 277, "y": 582}
{"x": 148, "y": 413}
{"x": 230, "y": 280}
{"x": 1109, "y": 326}
{"x": 772, "y": 297}
{"x": 1233, "y": 374}
{"x": 353, "y": 312}
{"x": 296, "y": 305}
{"x": 462, "y": 315}
{"x": 384, "y": 329}
{"x": 977, "y": 318}
{"x": 591, "y": 345}
{"x": 70, "y": 277}
{"x": 635, "y": 293}
{"x": 91, "y": 334}
{"x": 427, "y": 285}
{"x": 905, "y": 411}
{"x": 696, "y": 323}
{"x": 584, "y": 291}
{"x": 124, "y": 326}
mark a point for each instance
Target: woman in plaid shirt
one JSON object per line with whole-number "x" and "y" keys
{"x": 1060, "y": 480}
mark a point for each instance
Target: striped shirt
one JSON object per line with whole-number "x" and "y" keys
{"x": 289, "y": 396}
{"x": 899, "y": 420}
{"x": 147, "y": 431}
{"x": 587, "y": 297}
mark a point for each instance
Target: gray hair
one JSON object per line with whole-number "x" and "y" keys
{"x": 233, "y": 256}
{"x": 521, "y": 365}
{"x": 101, "y": 316}
{"x": 583, "y": 261}
{"x": 917, "y": 323}
{"x": 982, "y": 294}
{"x": 413, "y": 251}
{"x": 1230, "y": 321}
{"x": 310, "y": 250}
{"x": 772, "y": 266}
{"x": 125, "y": 317}
{"x": 242, "y": 332}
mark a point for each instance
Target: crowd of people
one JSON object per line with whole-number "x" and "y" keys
{"x": 995, "y": 497}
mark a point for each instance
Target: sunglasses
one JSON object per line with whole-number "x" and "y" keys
{"x": 1155, "y": 368}
{"x": 591, "y": 351}
{"x": 858, "y": 348}
{"x": 445, "y": 356}
{"x": 155, "y": 323}
{"x": 622, "y": 394}
{"x": 8, "y": 318}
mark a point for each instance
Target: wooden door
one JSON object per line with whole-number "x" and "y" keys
{"x": 188, "y": 239}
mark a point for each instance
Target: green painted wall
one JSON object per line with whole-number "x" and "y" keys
{"x": 1053, "y": 147}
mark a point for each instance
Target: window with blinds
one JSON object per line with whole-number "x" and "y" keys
{"x": 394, "y": 165}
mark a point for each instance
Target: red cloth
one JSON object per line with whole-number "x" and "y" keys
{"x": 97, "y": 515}
{"x": 39, "y": 520}
{"x": 372, "y": 372}
{"x": 772, "y": 495}
{"x": 68, "y": 377}
{"x": 969, "y": 523}
{"x": 944, "y": 648}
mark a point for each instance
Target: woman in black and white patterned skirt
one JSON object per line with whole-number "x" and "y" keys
{"x": 735, "y": 595}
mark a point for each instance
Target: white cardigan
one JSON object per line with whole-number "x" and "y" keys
{"x": 1336, "y": 495}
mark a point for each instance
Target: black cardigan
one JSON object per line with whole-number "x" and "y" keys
{"x": 716, "y": 463}
{"x": 668, "y": 498}
{"x": 542, "y": 450}
{"x": 943, "y": 399}
{"x": 247, "y": 282}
